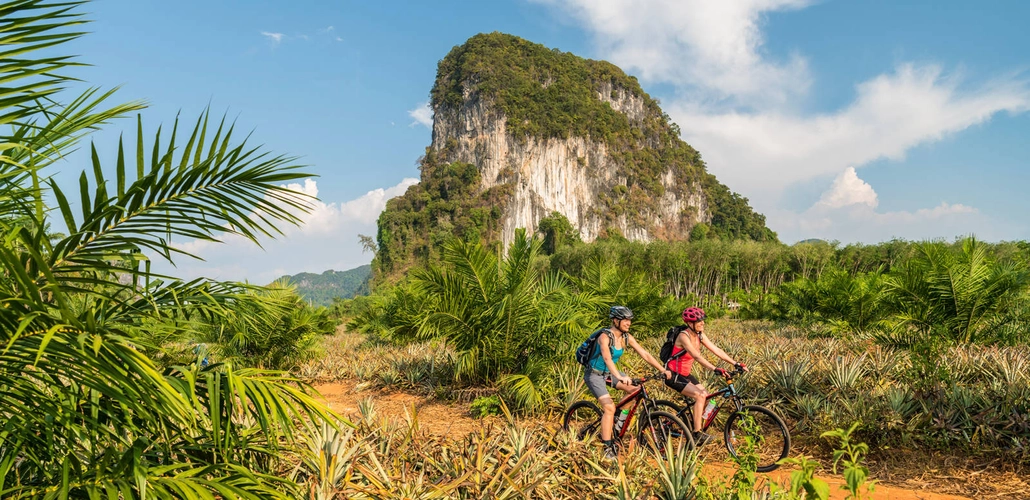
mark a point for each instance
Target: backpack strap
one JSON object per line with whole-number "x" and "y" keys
{"x": 679, "y": 330}
{"x": 611, "y": 339}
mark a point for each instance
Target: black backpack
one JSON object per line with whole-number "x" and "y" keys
{"x": 670, "y": 341}
{"x": 585, "y": 352}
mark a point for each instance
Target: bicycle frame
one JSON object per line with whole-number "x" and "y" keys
{"x": 728, "y": 392}
{"x": 636, "y": 397}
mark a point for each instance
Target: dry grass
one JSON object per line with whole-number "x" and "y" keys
{"x": 425, "y": 371}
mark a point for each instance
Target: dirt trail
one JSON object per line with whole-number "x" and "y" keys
{"x": 440, "y": 419}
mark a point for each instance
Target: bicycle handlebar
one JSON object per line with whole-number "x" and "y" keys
{"x": 731, "y": 374}
{"x": 661, "y": 375}
{"x": 645, "y": 378}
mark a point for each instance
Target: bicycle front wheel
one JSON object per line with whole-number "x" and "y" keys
{"x": 758, "y": 431}
{"x": 664, "y": 433}
{"x": 583, "y": 418}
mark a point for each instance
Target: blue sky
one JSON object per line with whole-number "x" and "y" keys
{"x": 855, "y": 121}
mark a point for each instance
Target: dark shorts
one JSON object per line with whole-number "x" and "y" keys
{"x": 679, "y": 382}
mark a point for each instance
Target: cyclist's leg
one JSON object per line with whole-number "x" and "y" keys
{"x": 628, "y": 389}
{"x": 598, "y": 387}
{"x": 693, "y": 388}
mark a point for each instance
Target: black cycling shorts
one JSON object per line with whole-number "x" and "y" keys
{"x": 679, "y": 382}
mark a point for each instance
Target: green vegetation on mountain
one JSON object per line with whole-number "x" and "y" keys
{"x": 414, "y": 227}
{"x": 321, "y": 289}
{"x": 544, "y": 94}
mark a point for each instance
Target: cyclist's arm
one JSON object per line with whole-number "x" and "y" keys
{"x": 717, "y": 351}
{"x": 695, "y": 353}
{"x": 646, "y": 355}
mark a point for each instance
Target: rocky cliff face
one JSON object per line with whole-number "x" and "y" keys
{"x": 521, "y": 131}
{"x": 572, "y": 176}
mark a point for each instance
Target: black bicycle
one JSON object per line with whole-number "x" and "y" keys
{"x": 656, "y": 429}
{"x": 768, "y": 433}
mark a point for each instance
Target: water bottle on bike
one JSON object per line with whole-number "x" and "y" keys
{"x": 621, "y": 420}
{"x": 709, "y": 413}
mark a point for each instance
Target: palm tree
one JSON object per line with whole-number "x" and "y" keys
{"x": 603, "y": 283}
{"x": 504, "y": 320}
{"x": 274, "y": 329}
{"x": 963, "y": 296}
{"x": 85, "y": 411}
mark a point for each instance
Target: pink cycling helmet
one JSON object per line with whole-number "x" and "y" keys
{"x": 693, "y": 315}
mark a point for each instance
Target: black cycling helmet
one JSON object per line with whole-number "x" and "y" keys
{"x": 620, "y": 312}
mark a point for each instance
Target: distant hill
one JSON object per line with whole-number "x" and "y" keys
{"x": 320, "y": 289}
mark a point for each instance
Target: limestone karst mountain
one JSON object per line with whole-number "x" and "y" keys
{"x": 522, "y": 132}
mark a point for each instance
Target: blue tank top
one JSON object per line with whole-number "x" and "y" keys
{"x": 598, "y": 363}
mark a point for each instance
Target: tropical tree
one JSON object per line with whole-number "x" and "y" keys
{"x": 85, "y": 410}
{"x": 505, "y": 320}
{"x": 274, "y": 329}
{"x": 497, "y": 312}
{"x": 603, "y": 283}
{"x": 557, "y": 231}
{"x": 962, "y": 296}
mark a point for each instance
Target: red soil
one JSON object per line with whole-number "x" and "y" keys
{"x": 454, "y": 420}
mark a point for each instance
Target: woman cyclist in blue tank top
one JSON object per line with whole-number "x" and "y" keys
{"x": 602, "y": 371}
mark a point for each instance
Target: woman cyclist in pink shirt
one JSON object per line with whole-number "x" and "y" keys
{"x": 688, "y": 342}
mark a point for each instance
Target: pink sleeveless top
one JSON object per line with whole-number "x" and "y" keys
{"x": 682, "y": 364}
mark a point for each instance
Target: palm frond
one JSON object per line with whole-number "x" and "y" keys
{"x": 26, "y": 28}
{"x": 221, "y": 190}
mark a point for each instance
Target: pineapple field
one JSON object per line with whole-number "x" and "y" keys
{"x": 817, "y": 385}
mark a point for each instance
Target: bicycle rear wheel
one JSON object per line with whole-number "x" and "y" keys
{"x": 664, "y": 432}
{"x": 583, "y": 418}
{"x": 760, "y": 431}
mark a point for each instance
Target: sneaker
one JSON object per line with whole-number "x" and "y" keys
{"x": 610, "y": 454}
{"x": 700, "y": 438}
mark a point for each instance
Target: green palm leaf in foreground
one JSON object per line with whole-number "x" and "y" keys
{"x": 85, "y": 412}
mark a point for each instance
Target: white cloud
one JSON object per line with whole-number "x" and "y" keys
{"x": 761, "y": 153}
{"x": 363, "y": 210}
{"x": 327, "y": 239}
{"x": 847, "y": 212}
{"x": 275, "y": 38}
{"x": 739, "y": 106}
{"x": 848, "y": 189}
{"x": 863, "y": 223}
{"x": 423, "y": 115}
{"x": 327, "y": 33}
{"x": 710, "y": 46}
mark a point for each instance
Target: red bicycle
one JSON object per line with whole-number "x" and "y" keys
{"x": 656, "y": 429}
{"x": 767, "y": 432}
